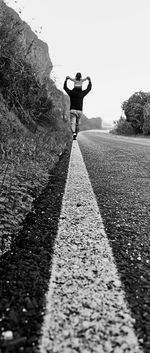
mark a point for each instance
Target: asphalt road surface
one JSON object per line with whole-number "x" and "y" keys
{"x": 119, "y": 171}
{"x": 86, "y": 310}
{"x": 94, "y": 250}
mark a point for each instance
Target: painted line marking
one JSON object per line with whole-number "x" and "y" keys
{"x": 86, "y": 310}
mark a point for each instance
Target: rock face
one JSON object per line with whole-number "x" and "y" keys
{"x": 35, "y": 50}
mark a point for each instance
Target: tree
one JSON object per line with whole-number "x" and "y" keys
{"x": 146, "y": 124}
{"x": 134, "y": 110}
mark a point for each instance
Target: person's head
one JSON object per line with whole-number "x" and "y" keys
{"x": 78, "y": 76}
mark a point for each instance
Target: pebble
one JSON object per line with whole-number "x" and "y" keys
{"x": 7, "y": 335}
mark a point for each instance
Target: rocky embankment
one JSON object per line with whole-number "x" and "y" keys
{"x": 34, "y": 129}
{"x": 35, "y": 50}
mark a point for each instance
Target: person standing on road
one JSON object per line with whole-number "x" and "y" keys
{"x": 76, "y": 103}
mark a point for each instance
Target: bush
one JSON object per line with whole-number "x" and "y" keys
{"x": 123, "y": 127}
{"x": 146, "y": 124}
{"x": 134, "y": 110}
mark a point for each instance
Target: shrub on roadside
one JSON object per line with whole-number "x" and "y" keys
{"x": 123, "y": 127}
{"x": 134, "y": 109}
{"x": 146, "y": 124}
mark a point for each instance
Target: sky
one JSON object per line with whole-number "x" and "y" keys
{"x": 108, "y": 40}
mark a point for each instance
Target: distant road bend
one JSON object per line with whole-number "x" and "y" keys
{"x": 98, "y": 299}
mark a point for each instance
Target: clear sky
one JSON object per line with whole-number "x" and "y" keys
{"x": 108, "y": 40}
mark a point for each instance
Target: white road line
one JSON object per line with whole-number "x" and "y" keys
{"x": 86, "y": 309}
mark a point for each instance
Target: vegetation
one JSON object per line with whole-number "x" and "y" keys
{"x": 20, "y": 86}
{"x": 123, "y": 127}
{"x": 89, "y": 124}
{"x": 137, "y": 115}
{"x": 33, "y": 133}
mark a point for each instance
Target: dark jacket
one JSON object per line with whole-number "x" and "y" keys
{"x": 76, "y": 95}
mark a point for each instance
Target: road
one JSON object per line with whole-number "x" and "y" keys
{"x": 98, "y": 298}
{"x": 119, "y": 170}
{"x": 86, "y": 246}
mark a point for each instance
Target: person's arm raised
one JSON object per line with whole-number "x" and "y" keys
{"x": 84, "y": 79}
{"x": 65, "y": 85}
{"x": 72, "y": 79}
{"x": 88, "y": 89}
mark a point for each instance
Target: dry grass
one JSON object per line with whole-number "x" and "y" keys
{"x": 26, "y": 161}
